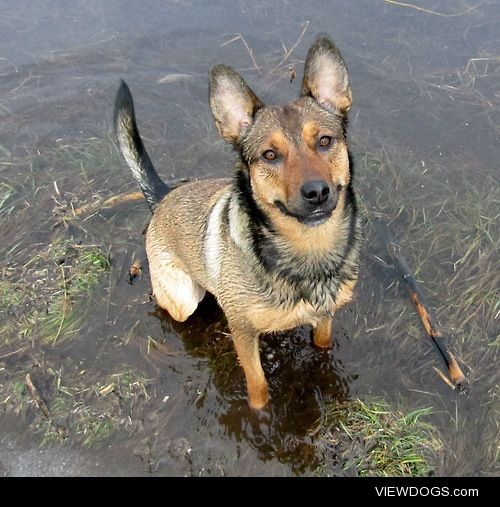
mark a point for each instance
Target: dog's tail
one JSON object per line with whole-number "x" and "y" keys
{"x": 132, "y": 148}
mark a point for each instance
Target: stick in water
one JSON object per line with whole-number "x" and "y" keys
{"x": 423, "y": 309}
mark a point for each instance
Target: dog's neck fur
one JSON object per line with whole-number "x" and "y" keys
{"x": 314, "y": 275}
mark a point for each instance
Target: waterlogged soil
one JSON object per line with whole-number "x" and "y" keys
{"x": 95, "y": 379}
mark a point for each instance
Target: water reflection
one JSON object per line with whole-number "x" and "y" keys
{"x": 301, "y": 379}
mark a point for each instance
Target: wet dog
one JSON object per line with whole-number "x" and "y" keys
{"x": 277, "y": 243}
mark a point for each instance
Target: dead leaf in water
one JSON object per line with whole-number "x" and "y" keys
{"x": 175, "y": 78}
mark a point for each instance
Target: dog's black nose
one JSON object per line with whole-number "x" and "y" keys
{"x": 315, "y": 192}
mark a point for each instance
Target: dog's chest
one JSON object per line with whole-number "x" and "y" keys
{"x": 267, "y": 319}
{"x": 315, "y": 281}
{"x": 286, "y": 304}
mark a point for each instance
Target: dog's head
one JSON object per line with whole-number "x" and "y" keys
{"x": 296, "y": 154}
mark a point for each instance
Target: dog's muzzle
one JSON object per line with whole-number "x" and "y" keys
{"x": 317, "y": 203}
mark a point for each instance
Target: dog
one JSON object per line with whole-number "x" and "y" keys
{"x": 277, "y": 243}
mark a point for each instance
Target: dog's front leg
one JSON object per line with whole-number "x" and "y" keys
{"x": 246, "y": 342}
{"x": 322, "y": 333}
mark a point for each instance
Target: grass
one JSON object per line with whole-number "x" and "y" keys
{"x": 370, "y": 439}
{"x": 49, "y": 292}
{"x": 71, "y": 272}
{"x": 450, "y": 237}
{"x": 79, "y": 412}
{"x": 6, "y": 193}
{"x": 81, "y": 271}
{"x": 9, "y": 296}
{"x": 449, "y": 234}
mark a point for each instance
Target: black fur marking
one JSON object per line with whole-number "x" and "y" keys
{"x": 152, "y": 186}
{"x": 351, "y": 209}
{"x": 312, "y": 219}
{"x": 245, "y": 197}
{"x": 260, "y": 227}
{"x": 351, "y": 164}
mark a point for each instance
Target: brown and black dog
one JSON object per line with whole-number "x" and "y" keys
{"x": 278, "y": 243}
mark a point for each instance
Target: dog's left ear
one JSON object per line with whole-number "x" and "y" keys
{"x": 326, "y": 78}
{"x": 232, "y": 101}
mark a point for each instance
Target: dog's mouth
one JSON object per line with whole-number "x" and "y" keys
{"x": 315, "y": 217}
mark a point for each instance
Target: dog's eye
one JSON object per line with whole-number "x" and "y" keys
{"x": 325, "y": 141}
{"x": 270, "y": 155}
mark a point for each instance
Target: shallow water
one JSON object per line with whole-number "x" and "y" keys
{"x": 424, "y": 130}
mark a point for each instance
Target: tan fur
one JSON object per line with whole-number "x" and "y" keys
{"x": 322, "y": 334}
{"x": 173, "y": 275}
{"x": 304, "y": 238}
{"x": 255, "y": 241}
{"x": 345, "y": 294}
{"x": 269, "y": 320}
{"x": 174, "y": 289}
{"x": 174, "y": 240}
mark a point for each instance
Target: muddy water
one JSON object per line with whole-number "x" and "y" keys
{"x": 426, "y": 102}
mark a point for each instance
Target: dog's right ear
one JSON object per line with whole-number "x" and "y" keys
{"x": 233, "y": 103}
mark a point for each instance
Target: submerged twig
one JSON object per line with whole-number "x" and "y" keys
{"x": 238, "y": 36}
{"x": 119, "y": 199}
{"x": 429, "y": 11}
{"x": 42, "y": 406}
{"x": 291, "y": 50}
{"x": 13, "y": 353}
{"x": 66, "y": 303}
{"x": 35, "y": 395}
{"x": 111, "y": 202}
{"x": 423, "y": 309}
